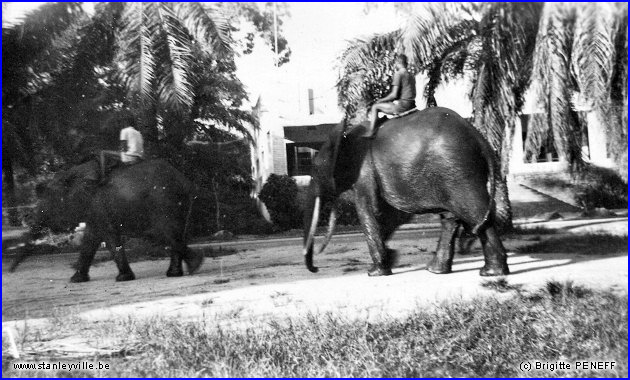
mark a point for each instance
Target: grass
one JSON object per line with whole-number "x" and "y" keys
{"x": 519, "y": 231}
{"x": 481, "y": 337}
{"x": 583, "y": 244}
{"x": 500, "y": 285}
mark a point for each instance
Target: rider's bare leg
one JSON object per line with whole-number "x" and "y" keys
{"x": 388, "y": 107}
{"x": 103, "y": 161}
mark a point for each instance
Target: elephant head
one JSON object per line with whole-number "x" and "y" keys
{"x": 63, "y": 202}
{"x": 333, "y": 173}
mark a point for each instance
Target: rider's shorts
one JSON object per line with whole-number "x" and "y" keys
{"x": 404, "y": 105}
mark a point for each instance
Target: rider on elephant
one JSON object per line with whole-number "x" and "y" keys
{"x": 131, "y": 148}
{"x": 402, "y": 97}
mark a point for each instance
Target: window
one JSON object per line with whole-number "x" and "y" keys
{"x": 300, "y": 159}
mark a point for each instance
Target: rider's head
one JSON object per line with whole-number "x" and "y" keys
{"x": 401, "y": 60}
{"x": 129, "y": 120}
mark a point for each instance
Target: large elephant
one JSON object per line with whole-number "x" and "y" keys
{"x": 431, "y": 161}
{"x": 150, "y": 200}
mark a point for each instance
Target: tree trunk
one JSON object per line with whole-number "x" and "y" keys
{"x": 503, "y": 213}
{"x": 9, "y": 186}
{"x": 215, "y": 191}
{"x": 501, "y": 197}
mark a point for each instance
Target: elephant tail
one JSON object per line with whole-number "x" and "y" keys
{"x": 492, "y": 179}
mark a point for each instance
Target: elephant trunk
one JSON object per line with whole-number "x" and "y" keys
{"x": 332, "y": 222}
{"x": 310, "y": 237}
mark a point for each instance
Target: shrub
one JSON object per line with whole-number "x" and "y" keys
{"x": 601, "y": 187}
{"x": 241, "y": 216}
{"x": 237, "y": 214}
{"x": 595, "y": 187}
{"x": 280, "y": 197}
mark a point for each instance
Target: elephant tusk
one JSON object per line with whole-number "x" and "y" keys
{"x": 331, "y": 228}
{"x": 311, "y": 232}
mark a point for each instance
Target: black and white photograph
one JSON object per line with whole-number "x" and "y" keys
{"x": 315, "y": 190}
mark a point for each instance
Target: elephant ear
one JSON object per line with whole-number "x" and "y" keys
{"x": 336, "y": 140}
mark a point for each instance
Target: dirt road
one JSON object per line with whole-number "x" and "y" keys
{"x": 254, "y": 283}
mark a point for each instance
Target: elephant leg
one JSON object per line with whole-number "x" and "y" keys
{"x": 494, "y": 254}
{"x": 168, "y": 233}
{"x": 389, "y": 220}
{"x": 193, "y": 259}
{"x": 178, "y": 251}
{"x": 465, "y": 240}
{"x": 442, "y": 262}
{"x": 117, "y": 250}
{"x": 181, "y": 252}
{"x": 86, "y": 255}
{"x": 175, "y": 268}
{"x": 367, "y": 209}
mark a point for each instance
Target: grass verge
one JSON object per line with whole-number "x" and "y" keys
{"x": 583, "y": 244}
{"x": 481, "y": 337}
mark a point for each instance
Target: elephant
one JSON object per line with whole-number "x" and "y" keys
{"x": 430, "y": 161}
{"x": 150, "y": 200}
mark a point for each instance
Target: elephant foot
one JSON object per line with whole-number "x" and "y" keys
{"x": 378, "y": 271}
{"x": 439, "y": 268}
{"x": 80, "y": 277}
{"x": 193, "y": 261}
{"x": 174, "y": 272}
{"x": 494, "y": 270}
{"x": 126, "y": 277}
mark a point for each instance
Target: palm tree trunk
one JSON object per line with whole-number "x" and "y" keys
{"x": 503, "y": 213}
{"x": 217, "y": 209}
{"x": 503, "y": 205}
{"x": 9, "y": 186}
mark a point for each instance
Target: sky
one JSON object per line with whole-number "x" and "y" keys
{"x": 316, "y": 33}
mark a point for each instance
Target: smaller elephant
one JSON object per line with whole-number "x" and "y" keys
{"x": 150, "y": 200}
{"x": 430, "y": 161}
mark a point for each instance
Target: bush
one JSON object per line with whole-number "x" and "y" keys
{"x": 242, "y": 217}
{"x": 280, "y": 197}
{"x": 237, "y": 214}
{"x": 601, "y": 187}
{"x": 595, "y": 187}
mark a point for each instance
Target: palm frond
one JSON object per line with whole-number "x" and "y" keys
{"x": 365, "y": 71}
{"x": 433, "y": 30}
{"x": 504, "y": 31}
{"x": 592, "y": 54}
{"x": 177, "y": 88}
{"x": 553, "y": 83}
{"x": 538, "y": 133}
{"x": 206, "y": 25}
{"x": 435, "y": 74}
{"x": 135, "y": 57}
{"x": 618, "y": 112}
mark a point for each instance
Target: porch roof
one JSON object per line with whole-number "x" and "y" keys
{"x": 308, "y": 133}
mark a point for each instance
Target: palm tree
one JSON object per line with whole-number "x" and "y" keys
{"x": 158, "y": 46}
{"x": 581, "y": 57}
{"x": 565, "y": 51}
{"x": 30, "y": 54}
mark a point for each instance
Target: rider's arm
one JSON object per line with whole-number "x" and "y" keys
{"x": 393, "y": 95}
